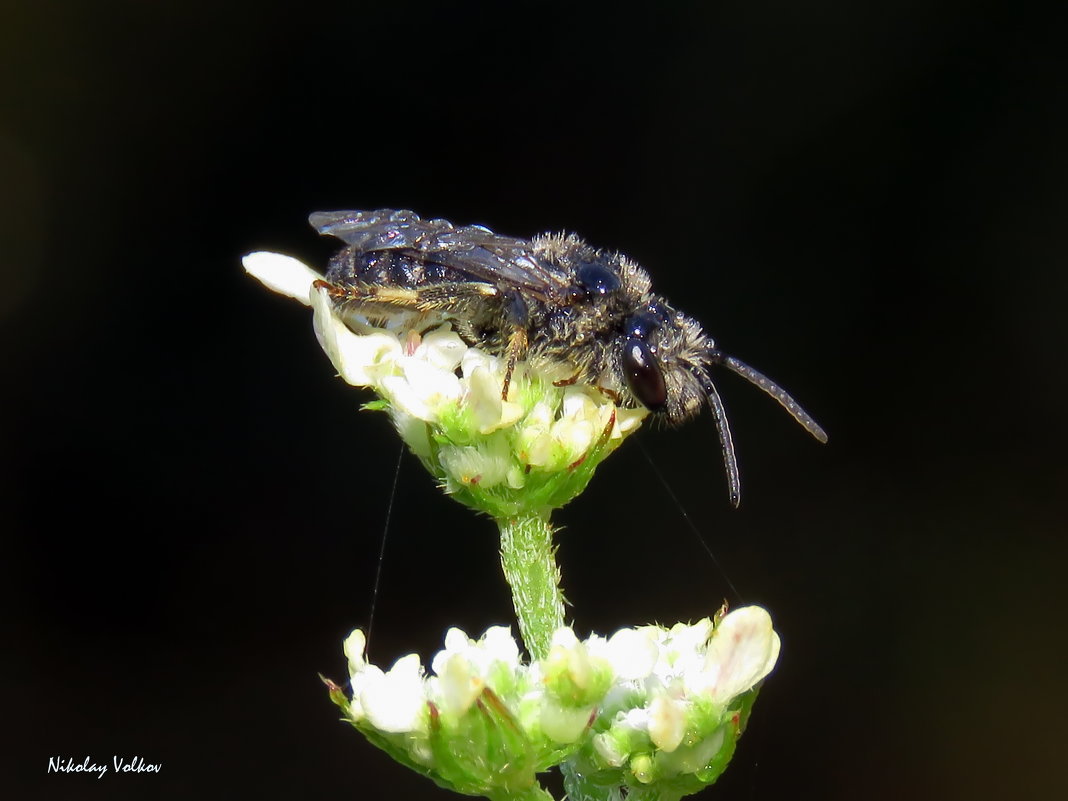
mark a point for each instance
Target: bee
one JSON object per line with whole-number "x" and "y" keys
{"x": 553, "y": 299}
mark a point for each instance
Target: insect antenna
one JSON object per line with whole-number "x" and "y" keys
{"x": 781, "y": 395}
{"x": 726, "y": 441}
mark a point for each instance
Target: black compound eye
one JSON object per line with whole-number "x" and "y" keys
{"x": 643, "y": 375}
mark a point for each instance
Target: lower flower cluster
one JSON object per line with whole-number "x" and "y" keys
{"x": 669, "y": 725}
{"x": 651, "y": 709}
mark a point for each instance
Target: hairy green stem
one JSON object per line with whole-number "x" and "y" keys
{"x": 528, "y": 557}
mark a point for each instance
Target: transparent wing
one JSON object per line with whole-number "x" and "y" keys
{"x": 473, "y": 249}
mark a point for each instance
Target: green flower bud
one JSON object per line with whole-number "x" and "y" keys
{"x": 573, "y": 675}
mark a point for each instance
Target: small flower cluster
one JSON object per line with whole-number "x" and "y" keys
{"x": 531, "y": 452}
{"x": 670, "y": 722}
{"x": 652, "y": 709}
{"x": 483, "y": 723}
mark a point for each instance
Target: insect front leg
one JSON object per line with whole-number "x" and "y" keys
{"x": 517, "y": 315}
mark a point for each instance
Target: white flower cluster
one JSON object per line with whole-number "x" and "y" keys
{"x": 641, "y": 705}
{"x": 445, "y": 398}
{"x": 679, "y": 682}
{"x": 550, "y": 699}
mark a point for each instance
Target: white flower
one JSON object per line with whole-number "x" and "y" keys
{"x": 283, "y": 274}
{"x": 360, "y": 359}
{"x": 633, "y": 653}
{"x": 667, "y": 722}
{"x": 648, "y": 704}
{"x": 421, "y": 390}
{"x": 459, "y": 685}
{"x": 742, "y": 651}
{"x": 355, "y": 645}
{"x": 720, "y": 662}
{"x": 496, "y": 646}
{"x": 395, "y": 701}
{"x": 674, "y": 703}
{"x": 391, "y": 702}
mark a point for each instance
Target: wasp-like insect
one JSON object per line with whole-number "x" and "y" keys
{"x": 552, "y": 298}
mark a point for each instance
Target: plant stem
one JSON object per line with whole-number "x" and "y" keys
{"x": 528, "y": 557}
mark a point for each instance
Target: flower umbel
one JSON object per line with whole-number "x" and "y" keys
{"x": 527, "y": 454}
{"x": 669, "y": 725}
{"x": 482, "y": 722}
{"x": 651, "y": 709}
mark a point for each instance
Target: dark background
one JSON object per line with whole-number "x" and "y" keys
{"x": 866, "y": 201}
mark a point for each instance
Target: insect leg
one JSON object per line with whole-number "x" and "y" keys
{"x": 430, "y": 297}
{"x": 608, "y": 392}
{"x": 517, "y": 315}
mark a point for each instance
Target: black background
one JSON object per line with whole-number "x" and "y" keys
{"x": 866, "y": 201}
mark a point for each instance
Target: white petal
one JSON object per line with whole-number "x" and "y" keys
{"x": 628, "y": 420}
{"x": 537, "y": 450}
{"x": 484, "y": 398}
{"x": 632, "y": 654}
{"x": 474, "y": 359}
{"x": 637, "y": 718}
{"x": 667, "y": 722}
{"x": 565, "y": 637}
{"x": 282, "y": 274}
{"x": 574, "y": 436}
{"x": 359, "y": 359}
{"x": 569, "y": 650}
{"x": 443, "y": 348}
{"x": 456, "y": 639}
{"x": 460, "y": 685}
{"x": 395, "y": 701}
{"x": 501, "y": 646}
{"x": 743, "y": 650}
{"x": 423, "y": 389}
{"x": 456, "y": 642}
{"x": 578, "y": 404}
{"x": 403, "y": 396}
{"x": 434, "y": 386}
{"x": 355, "y": 645}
